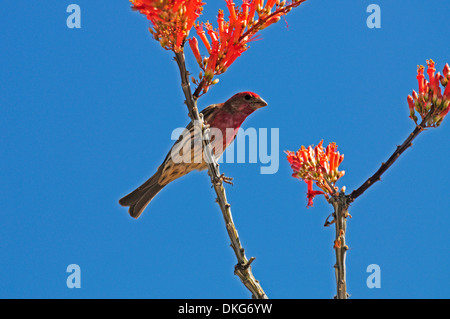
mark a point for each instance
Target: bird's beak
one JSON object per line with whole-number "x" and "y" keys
{"x": 260, "y": 103}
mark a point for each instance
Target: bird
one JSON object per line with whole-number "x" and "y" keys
{"x": 224, "y": 118}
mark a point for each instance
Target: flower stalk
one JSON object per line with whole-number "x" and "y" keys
{"x": 431, "y": 103}
{"x": 321, "y": 166}
{"x": 171, "y": 22}
{"x": 312, "y": 164}
{"x": 340, "y": 205}
{"x": 243, "y": 268}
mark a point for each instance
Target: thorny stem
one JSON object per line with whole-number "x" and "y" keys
{"x": 243, "y": 268}
{"x": 384, "y": 166}
{"x": 339, "y": 202}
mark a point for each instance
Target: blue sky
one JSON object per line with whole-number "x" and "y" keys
{"x": 87, "y": 116}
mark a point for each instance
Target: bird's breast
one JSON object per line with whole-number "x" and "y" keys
{"x": 226, "y": 125}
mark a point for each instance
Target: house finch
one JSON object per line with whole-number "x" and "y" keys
{"x": 224, "y": 118}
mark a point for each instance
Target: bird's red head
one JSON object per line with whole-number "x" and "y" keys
{"x": 245, "y": 102}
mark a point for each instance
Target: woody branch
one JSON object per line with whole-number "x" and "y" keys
{"x": 243, "y": 268}
{"x": 385, "y": 166}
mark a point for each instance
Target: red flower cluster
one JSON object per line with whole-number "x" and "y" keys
{"x": 318, "y": 165}
{"x": 430, "y": 99}
{"x": 231, "y": 39}
{"x": 171, "y": 19}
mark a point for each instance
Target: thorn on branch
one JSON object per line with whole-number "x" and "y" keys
{"x": 244, "y": 266}
{"x": 213, "y": 171}
{"x": 337, "y": 243}
{"x": 252, "y": 259}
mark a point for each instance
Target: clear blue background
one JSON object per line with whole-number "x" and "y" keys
{"x": 87, "y": 114}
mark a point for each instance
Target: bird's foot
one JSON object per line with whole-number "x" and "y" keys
{"x": 225, "y": 179}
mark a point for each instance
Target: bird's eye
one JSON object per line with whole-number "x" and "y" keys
{"x": 247, "y": 97}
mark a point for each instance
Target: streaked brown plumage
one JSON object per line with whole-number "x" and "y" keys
{"x": 230, "y": 114}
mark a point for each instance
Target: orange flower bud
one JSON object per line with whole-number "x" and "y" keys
{"x": 446, "y": 72}
{"x": 193, "y": 43}
{"x": 420, "y": 78}
{"x": 271, "y": 21}
{"x": 270, "y": 4}
{"x": 220, "y": 22}
{"x": 447, "y": 91}
{"x": 212, "y": 61}
{"x": 201, "y": 34}
{"x": 411, "y": 104}
{"x": 245, "y": 9}
{"x": 230, "y": 6}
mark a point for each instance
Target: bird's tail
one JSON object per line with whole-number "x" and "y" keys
{"x": 138, "y": 199}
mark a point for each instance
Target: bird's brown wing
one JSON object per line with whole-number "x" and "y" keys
{"x": 186, "y": 153}
{"x": 168, "y": 171}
